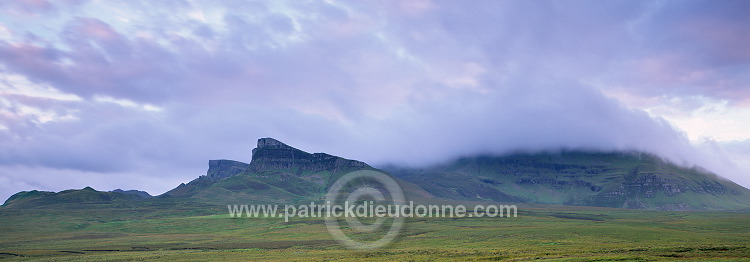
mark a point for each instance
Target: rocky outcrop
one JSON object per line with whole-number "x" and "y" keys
{"x": 272, "y": 154}
{"x": 221, "y": 169}
{"x": 273, "y": 163}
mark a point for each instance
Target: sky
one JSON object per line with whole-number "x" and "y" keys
{"x": 141, "y": 94}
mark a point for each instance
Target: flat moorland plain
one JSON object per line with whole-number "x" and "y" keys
{"x": 200, "y": 232}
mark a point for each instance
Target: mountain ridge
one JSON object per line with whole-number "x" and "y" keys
{"x": 279, "y": 173}
{"x": 276, "y": 172}
{"x": 615, "y": 179}
{"x": 271, "y": 154}
{"x": 36, "y": 198}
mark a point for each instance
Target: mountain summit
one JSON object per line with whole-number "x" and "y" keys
{"x": 272, "y": 154}
{"x": 277, "y": 172}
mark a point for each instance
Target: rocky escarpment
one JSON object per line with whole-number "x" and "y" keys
{"x": 643, "y": 190}
{"x": 274, "y": 165}
{"x": 272, "y": 154}
{"x": 220, "y": 169}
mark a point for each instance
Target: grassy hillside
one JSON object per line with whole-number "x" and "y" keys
{"x": 80, "y": 198}
{"x": 276, "y": 186}
{"x": 623, "y": 180}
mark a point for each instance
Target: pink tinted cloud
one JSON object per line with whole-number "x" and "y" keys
{"x": 721, "y": 31}
{"x": 96, "y": 60}
{"x": 690, "y": 48}
{"x": 97, "y": 29}
{"x": 34, "y": 8}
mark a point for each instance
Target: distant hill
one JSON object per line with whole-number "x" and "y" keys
{"x": 279, "y": 173}
{"x": 622, "y": 180}
{"x": 34, "y": 198}
{"x": 138, "y": 193}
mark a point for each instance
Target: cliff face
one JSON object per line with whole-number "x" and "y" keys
{"x": 272, "y": 154}
{"x": 275, "y": 167}
{"x": 221, "y": 169}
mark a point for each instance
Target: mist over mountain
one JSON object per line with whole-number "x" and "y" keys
{"x": 582, "y": 178}
{"x": 282, "y": 174}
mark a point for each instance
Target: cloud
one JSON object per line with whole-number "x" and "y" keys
{"x": 152, "y": 90}
{"x": 28, "y": 7}
{"x": 690, "y": 48}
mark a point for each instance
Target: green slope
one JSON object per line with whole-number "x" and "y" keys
{"x": 71, "y": 198}
{"x": 623, "y": 180}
